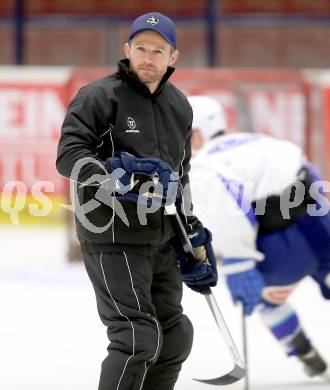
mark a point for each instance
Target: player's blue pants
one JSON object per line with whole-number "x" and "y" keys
{"x": 301, "y": 249}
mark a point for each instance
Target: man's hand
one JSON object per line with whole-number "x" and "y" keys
{"x": 160, "y": 175}
{"x": 244, "y": 281}
{"x": 200, "y": 273}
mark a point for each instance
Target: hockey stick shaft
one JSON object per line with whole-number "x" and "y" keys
{"x": 211, "y": 301}
{"x": 186, "y": 242}
{"x": 245, "y": 349}
{"x": 223, "y": 328}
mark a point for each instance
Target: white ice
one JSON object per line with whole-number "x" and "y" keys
{"x": 52, "y": 339}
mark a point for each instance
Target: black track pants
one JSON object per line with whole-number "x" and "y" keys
{"x": 139, "y": 300}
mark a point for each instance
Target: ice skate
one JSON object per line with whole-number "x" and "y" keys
{"x": 314, "y": 365}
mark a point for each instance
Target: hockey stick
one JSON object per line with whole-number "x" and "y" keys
{"x": 245, "y": 349}
{"x": 238, "y": 372}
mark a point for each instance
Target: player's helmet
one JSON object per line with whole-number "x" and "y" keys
{"x": 209, "y": 117}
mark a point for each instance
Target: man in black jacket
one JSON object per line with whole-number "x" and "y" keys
{"x": 137, "y": 123}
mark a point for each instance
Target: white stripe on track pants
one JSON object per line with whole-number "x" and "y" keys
{"x": 139, "y": 300}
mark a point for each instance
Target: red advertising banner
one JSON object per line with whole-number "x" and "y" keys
{"x": 267, "y": 101}
{"x": 32, "y": 108}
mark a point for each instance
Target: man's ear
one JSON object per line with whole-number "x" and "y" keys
{"x": 126, "y": 50}
{"x": 174, "y": 57}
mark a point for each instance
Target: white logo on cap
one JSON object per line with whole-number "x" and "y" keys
{"x": 152, "y": 20}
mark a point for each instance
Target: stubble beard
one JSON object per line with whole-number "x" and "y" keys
{"x": 146, "y": 76}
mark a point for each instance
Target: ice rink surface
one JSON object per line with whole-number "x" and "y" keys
{"x": 52, "y": 339}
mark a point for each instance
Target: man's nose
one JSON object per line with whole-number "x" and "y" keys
{"x": 147, "y": 58}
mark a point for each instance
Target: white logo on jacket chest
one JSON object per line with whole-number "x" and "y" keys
{"x": 132, "y": 126}
{"x": 131, "y": 123}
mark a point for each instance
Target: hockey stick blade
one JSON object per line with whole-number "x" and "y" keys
{"x": 233, "y": 376}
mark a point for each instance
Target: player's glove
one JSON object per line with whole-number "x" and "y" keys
{"x": 200, "y": 273}
{"x": 244, "y": 281}
{"x": 156, "y": 172}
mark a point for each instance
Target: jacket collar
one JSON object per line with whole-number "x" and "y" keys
{"x": 125, "y": 72}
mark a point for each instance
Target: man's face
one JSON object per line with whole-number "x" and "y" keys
{"x": 150, "y": 55}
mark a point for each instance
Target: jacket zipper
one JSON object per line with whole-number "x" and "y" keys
{"x": 160, "y": 154}
{"x": 156, "y": 126}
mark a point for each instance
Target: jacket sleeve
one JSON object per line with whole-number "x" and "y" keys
{"x": 86, "y": 119}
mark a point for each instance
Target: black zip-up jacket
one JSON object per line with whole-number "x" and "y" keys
{"x": 115, "y": 114}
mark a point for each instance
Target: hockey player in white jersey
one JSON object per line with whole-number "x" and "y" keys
{"x": 267, "y": 247}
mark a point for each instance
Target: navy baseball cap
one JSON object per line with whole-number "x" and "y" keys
{"x": 155, "y": 21}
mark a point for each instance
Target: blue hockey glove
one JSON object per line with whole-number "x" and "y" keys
{"x": 166, "y": 182}
{"x": 244, "y": 281}
{"x": 199, "y": 274}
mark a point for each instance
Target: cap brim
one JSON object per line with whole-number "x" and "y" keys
{"x": 151, "y": 29}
